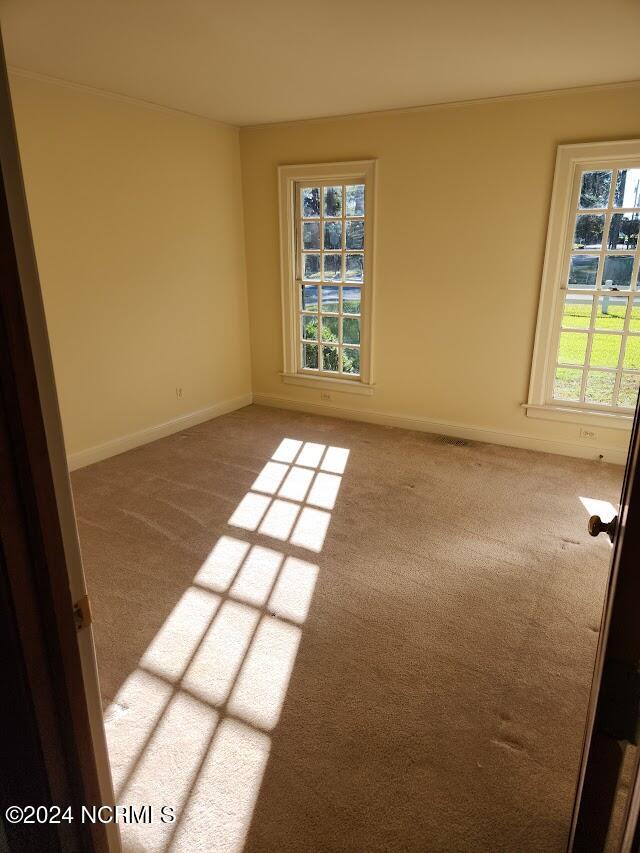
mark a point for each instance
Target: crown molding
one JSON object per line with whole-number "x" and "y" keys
{"x": 443, "y": 105}
{"x": 16, "y": 71}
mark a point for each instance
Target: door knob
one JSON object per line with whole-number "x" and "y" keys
{"x": 597, "y": 525}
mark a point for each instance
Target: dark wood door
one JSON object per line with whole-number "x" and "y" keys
{"x": 48, "y": 757}
{"x": 612, "y": 723}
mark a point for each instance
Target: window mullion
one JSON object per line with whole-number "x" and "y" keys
{"x": 321, "y": 283}
{"x": 612, "y": 188}
{"x": 635, "y": 270}
{"x": 587, "y": 354}
{"x": 623, "y": 346}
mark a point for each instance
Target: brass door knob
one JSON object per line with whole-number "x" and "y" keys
{"x": 597, "y": 525}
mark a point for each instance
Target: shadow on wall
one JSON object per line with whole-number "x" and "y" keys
{"x": 191, "y": 727}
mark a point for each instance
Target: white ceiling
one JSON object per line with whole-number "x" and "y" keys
{"x": 257, "y": 61}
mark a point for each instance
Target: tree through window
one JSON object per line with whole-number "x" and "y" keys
{"x": 330, "y": 234}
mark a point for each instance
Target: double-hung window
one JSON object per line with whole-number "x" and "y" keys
{"x": 587, "y": 354}
{"x": 326, "y": 221}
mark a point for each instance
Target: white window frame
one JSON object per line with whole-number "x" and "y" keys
{"x": 289, "y": 177}
{"x": 571, "y": 161}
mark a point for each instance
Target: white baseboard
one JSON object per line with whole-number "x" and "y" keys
{"x": 144, "y": 436}
{"x": 475, "y": 433}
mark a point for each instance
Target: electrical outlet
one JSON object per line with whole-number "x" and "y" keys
{"x": 588, "y": 434}
{"x": 178, "y": 393}
{"x": 325, "y": 395}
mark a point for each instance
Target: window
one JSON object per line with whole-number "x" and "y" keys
{"x": 586, "y": 363}
{"x": 327, "y": 264}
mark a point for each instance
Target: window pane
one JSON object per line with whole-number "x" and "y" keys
{"x": 333, "y": 201}
{"x": 309, "y": 328}
{"x": 567, "y": 384}
{"x": 311, "y": 201}
{"x": 634, "y": 320}
{"x": 332, "y": 268}
{"x": 583, "y": 270}
{"x": 605, "y": 350}
{"x": 628, "y": 392}
{"x": 310, "y": 235}
{"x": 333, "y": 235}
{"x": 594, "y": 191}
{"x": 310, "y": 356}
{"x": 572, "y": 349}
{"x": 627, "y": 192}
{"x": 330, "y": 358}
{"x": 355, "y": 234}
{"x": 577, "y": 312}
{"x": 311, "y": 267}
{"x": 617, "y": 272}
{"x": 632, "y": 353}
{"x": 610, "y": 312}
{"x": 330, "y": 299}
{"x": 355, "y": 200}
{"x": 599, "y": 388}
{"x": 623, "y": 231}
{"x": 351, "y": 360}
{"x": 330, "y": 329}
{"x": 351, "y": 300}
{"x": 589, "y": 230}
{"x": 354, "y": 268}
{"x": 309, "y": 297}
{"x": 351, "y": 330}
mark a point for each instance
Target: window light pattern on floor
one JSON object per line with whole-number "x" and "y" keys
{"x": 292, "y": 497}
{"x": 594, "y": 506}
{"x": 210, "y": 687}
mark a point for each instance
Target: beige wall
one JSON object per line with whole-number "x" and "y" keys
{"x": 463, "y": 201}
{"x": 138, "y": 225}
{"x": 137, "y": 222}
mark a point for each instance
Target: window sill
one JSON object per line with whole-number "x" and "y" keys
{"x": 344, "y": 386}
{"x": 588, "y": 417}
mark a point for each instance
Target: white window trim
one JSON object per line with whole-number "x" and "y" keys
{"x": 570, "y": 160}
{"x": 288, "y": 178}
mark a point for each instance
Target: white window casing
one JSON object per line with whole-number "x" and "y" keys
{"x": 562, "y": 389}
{"x": 340, "y": 353}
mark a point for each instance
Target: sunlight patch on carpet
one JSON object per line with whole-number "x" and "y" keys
{"x": 190, "y": 728}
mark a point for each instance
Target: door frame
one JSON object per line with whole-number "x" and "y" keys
{"x": 42, "y": 561}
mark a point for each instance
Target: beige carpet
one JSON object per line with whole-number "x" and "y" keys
{"x": 308, "y": 649}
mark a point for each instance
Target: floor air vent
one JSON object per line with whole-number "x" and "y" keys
{"x": 451, "y": 439}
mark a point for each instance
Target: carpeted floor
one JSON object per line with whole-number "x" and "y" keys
{"x": 304, "y": 649}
